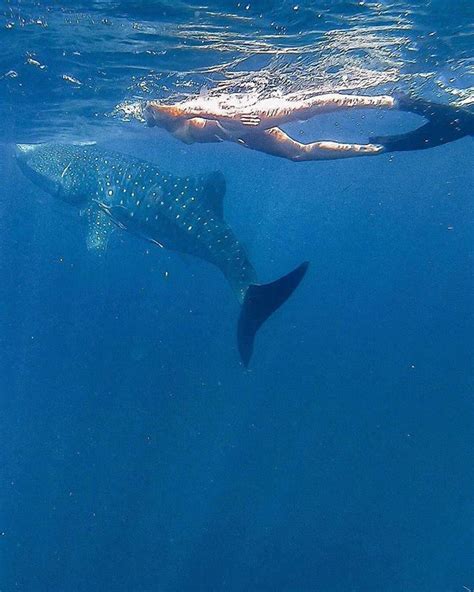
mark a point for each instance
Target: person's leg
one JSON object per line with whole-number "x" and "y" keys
{"x": 277, "y": 143}
{"x": 336, "y": 102}
{"x": 336, "y": 150}
{"x": 270, "y": 113}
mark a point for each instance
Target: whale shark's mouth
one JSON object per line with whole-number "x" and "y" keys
{"x": 25, "y": 157}
{"x": 24, "y": 148}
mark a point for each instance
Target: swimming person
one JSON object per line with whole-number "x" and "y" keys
{"x": 257, "y": 125}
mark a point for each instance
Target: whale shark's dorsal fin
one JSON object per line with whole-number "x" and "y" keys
{"x": 213, "y": 191}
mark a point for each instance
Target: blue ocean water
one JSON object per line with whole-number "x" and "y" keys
{"x": 137, "y": 454}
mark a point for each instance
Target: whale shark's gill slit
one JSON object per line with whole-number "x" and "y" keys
{"x": 66, "y": 168}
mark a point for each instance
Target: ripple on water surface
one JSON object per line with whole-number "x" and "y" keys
{"x": 65, "y": 67}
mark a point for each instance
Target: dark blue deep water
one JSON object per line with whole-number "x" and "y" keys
{"x": 137, "y": 454}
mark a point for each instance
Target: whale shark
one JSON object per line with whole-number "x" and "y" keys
{"x": 183, "y": 214}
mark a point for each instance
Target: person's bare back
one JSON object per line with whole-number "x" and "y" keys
{"x": 265, "y": 113}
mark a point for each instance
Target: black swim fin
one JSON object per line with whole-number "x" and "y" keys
{"x": 260, "y": 302}
{"x": 446, "y": 123}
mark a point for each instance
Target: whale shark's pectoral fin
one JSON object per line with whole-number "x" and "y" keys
{"x": 100, "y": 227}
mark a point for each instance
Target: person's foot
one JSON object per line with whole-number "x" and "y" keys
{"x": 369, "y": 149}
{"x": 446, "y": 113}
{"x": 404, "y": 102}
{"x": 384, "y": 143}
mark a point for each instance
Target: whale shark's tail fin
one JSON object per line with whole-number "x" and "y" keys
{"x": 260, "y": 302}
{"x": 446, "y": 123}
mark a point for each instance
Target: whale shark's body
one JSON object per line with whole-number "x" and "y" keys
{"x": 183, "y": 214}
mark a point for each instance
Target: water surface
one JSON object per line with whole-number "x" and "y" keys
{"x": 137, "y": 454}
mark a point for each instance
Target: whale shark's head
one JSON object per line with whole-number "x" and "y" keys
{"x": 54, "y": 168}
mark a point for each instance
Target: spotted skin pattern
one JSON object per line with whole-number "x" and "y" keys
{"x": 176, "y": 213}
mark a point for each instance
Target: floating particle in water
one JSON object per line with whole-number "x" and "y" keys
{"x": 72, "y": 80}
{"x": 33, "y": 62}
